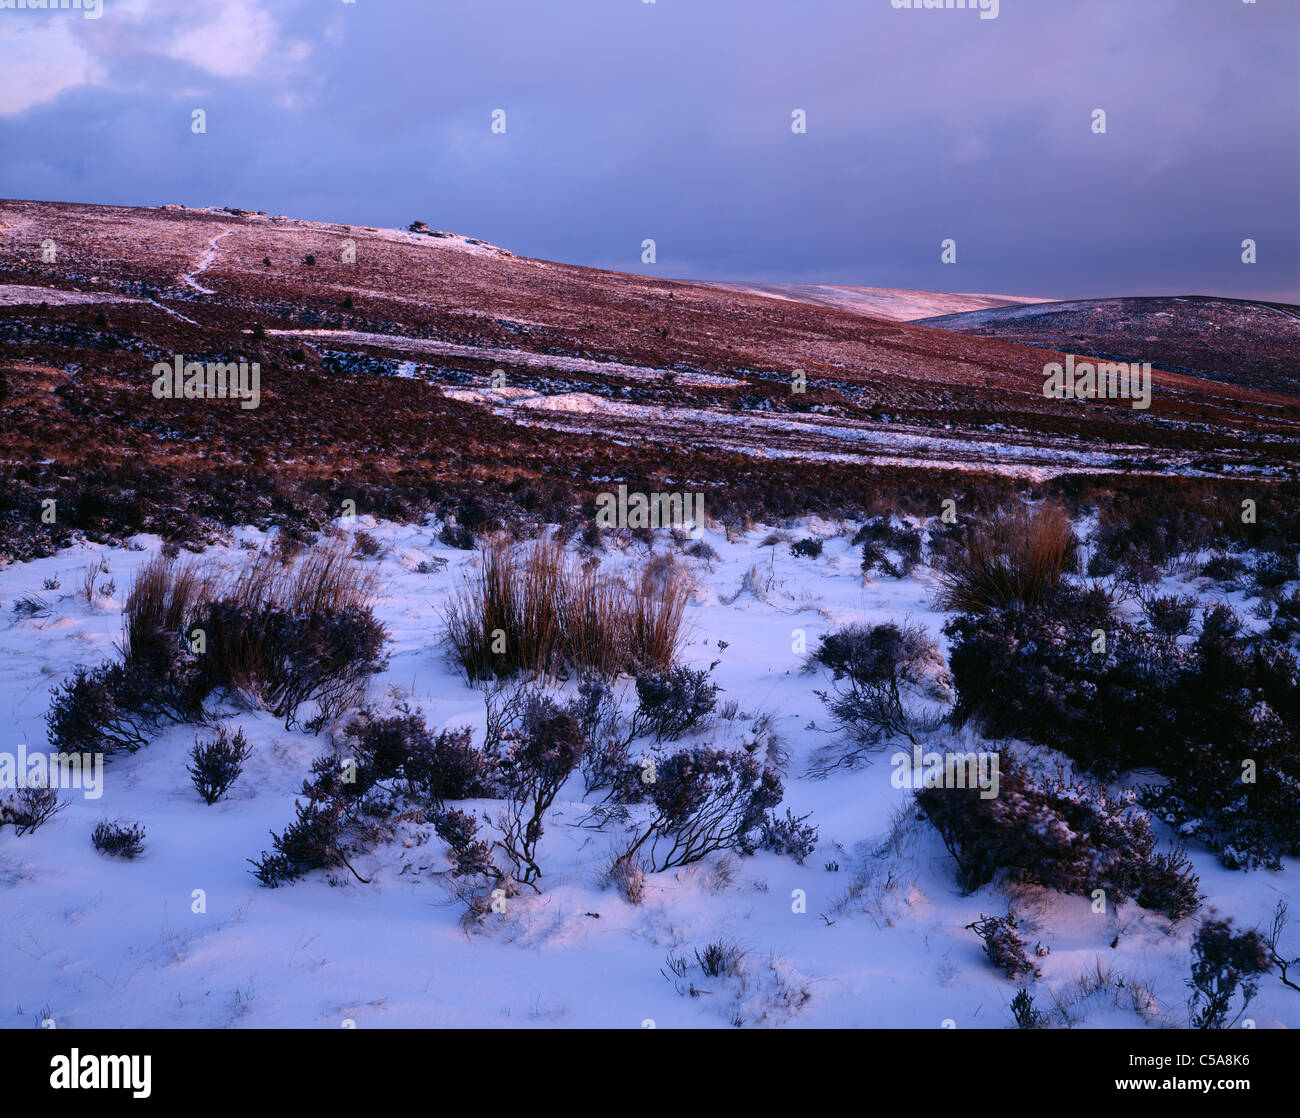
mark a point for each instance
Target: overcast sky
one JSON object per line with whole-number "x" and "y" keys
{"x": 671, "y": 120}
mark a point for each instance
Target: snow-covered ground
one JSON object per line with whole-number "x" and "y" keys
{"x": 880, "y": 941}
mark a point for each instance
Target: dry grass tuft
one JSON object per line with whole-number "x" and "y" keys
{"x": 534, "y": 610}
{"x": 1014, "y": 561}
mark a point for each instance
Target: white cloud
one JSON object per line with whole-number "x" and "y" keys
{"x": 40, "y": 62}
{"x": 232, "y": 44}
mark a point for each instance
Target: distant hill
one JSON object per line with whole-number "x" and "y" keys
{"x": 1252, "y": 345}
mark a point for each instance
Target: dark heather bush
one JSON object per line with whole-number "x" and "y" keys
{"x": 1142, "y": 530}
{"x": 1034, "y": 675}
{"x": 1224, "y": 962}
{"x": 1286, "y": 618}
{"x": 119, "y": 840}
{"x": 1223, "y": 568}
{"x": 872, "y": 663}
{"x": 1233, "y": 761}
{"x": 86, "y": 716}
{"x": 670, "y": 704}
{"x": 878, "y": 537}
{"x": 331, "y": 818}
{"x": 701, "y": 550}
{"x": 1220, "y": 720}
{"x": 806, "y": 548}
{"x": 215, "y": 765}
{"x": 287, "y": 659}
{"x": 606, "y": 755}
{"x": 1071, "y": 837}
{"x": 1170, "y": 614}
{"x": 1004, "y": 945}
{"x": 471, "y": 855}
{"x": 29, "y": 807}
{"x": 436, "y": 767}
{"x": 457, "y": 536}
{"x": 704, "y": 800}
{"x": 1271, "y": 571}
{"x": 533, "y": 770}
{"x": 791, "y": 835}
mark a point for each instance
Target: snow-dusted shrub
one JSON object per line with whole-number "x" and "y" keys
{"x": 1004, "y": 945}
{"x": 1223, "y": 568}
{"x": 1156, "y": 526}
{"x": 673, "y": 702}
{"x": 1224, "y": 963}
{"x": 216, "y": 764}
{"x": 1043, "y": 676}
{"x": 454, "y": 535}
{"x": 791, "y": 835}
{"x": 30, "y": 806}
{"x": 1271, "y": 570}
{"x": 118, "y": 839}
{"x": 1072, "y": 837}
{"x": 363, "y": 543}
{"x": 401, "y": 747}
{"x": 533, "y": 770}
{"x": 704, "y": 800}
{"x": 806, "y": 548}
{"x": 1286, "y": 617}
{"x": 701, "y": 550}
{"x": 872, "y": 664}
{"x": 471, "y": 855}
{"x": 1232, "y": 762}
{"x": 86, "y": 715}
{"x": 287, "y": 657}
{"x": 331, "y": 818}
{"x": 1170, "y": 614}
{"x": 878, "y": 537}
{"x": 1220, "y": 719}
{"x": 598, "y": 713}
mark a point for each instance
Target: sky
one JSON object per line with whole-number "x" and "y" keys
{"x": 673, "y": 121}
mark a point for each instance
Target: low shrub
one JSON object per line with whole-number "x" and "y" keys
{"x": 95, "y": 711}
{"x": 1232, "y": 757}
{"x": 29, "y": 807}
{"x": 434, "y": 767}
{"x": 216, "y": 764}
{"x": 672, "y": 703}
{"x": 363, "y": 543}
{"x": 331, "y": 819}
{"x": 880, "y": 538}
{"x": 118, "y": 839}
{"x": 1170, "y": 615}
{"x": 1223, "y": 568}
{"x": 454, "y": 535}
{"x": 1042, "y": 676}
{"x": 1071, "y": 837}
{"x": 533, "y": 770}
{"x": 873, "y": 664}
{"x": 806, "y": 548}
{"x": 1004, "y": 945}
{"x": 792, "y": 835}
{"x": 704, "y": 800}
{"x": 1225, "y": 964}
